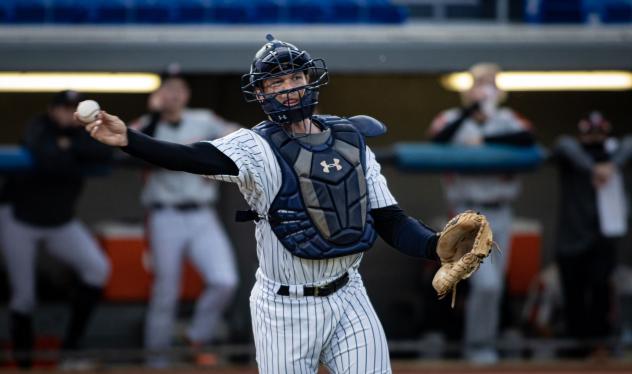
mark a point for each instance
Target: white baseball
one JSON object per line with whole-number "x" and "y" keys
{"x": 87, "y": 111}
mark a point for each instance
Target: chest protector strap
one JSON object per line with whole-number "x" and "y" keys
{"x": 322, "y": 208}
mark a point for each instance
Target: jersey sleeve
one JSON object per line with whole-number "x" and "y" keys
{"x": 379, "y": 194}
{"x": 259, "y": 173}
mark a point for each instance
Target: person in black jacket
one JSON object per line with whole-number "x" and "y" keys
{"x": 41, "y": 210}
{"x": 592, "y": 217}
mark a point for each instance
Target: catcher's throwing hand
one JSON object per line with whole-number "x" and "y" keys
{"x": 108, "y": 129}
{"x": 463, "y": 244}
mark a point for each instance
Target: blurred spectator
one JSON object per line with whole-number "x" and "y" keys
{"x": 41, "y": 210}
{"x": 479, "y": 122}
{"x": 592, "y": 217}
{"x": 182, "y": 223}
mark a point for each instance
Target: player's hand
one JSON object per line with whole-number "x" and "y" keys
{"x": 602, "y": 172}
{"x": 155, "y": 101}
{"x": 108, "y": 129}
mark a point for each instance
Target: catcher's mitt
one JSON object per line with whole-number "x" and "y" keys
{"x": 463, "y": 244}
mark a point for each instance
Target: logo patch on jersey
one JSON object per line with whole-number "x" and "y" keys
{"x": 327, "y": 166}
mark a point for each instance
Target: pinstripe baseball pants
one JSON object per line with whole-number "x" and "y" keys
{"x": 295, "y": 334}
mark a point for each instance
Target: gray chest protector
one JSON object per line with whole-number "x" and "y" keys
{"x": 322, "y": 208}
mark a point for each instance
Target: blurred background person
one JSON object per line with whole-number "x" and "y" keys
{"x": 182, "y": 224}
{"x": 592, "y": 216}
{"x": 478, "y": 122}
{"x": 41, "y": 211}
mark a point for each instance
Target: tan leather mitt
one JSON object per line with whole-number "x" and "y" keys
{"x": 463, "y": 244}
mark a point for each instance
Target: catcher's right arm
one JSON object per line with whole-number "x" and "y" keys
{"x": 463, "y": 244}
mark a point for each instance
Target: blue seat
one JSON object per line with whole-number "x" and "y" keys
{"x": 29, "y": 11}
{"x": 266, "y": 11}
{"x": 70, "y": 11}
{"x": 617, "y": 13}
{"x": 201, "y": 11}
{"x": 308, "y": 11}
{"x": 111, "y": 11}
{"x": 191, "y": 11}
{"x": 383, "y": 11}
{"x": 6, "y": 11}
{"x": 152, "y": 11}
{"x": 348, "y": 11}
{"x": 556, "y": 11}
{"x": 230, "y": 11}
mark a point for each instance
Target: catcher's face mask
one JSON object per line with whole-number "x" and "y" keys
{"x": 295, "y": 74}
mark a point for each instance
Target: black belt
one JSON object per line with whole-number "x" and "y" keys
{"x": 181, "y": 206}
{"x": 324, "y": 290}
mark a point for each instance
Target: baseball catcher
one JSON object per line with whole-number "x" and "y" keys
{"x": 463, "y": 244}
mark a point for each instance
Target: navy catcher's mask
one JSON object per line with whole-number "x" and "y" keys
{"x": 277, "y": 58}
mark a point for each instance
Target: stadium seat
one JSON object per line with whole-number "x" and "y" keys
{"x": 230, "y": 11}
{"x": 111, "y": 11}
{"x": 308, "y": 11}
{"x": 152, "y": 11}
{"x": 348, "y": 11}
{"x": 29, "y": 11}
{"x": 200, "y": 11}
{"x": 383, "y": 11}
{"x": 191, "y": 11}
{"x": 6, "y": 12}
{"x": 554, "y": 11}
{"x": 267, "y": 11}
{"x": 617, "y": 12}
{"x": 577, "y": 11}
{"x": 70, "y": 11}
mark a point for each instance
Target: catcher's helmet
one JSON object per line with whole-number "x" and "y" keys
{"x": 278, "y": 58}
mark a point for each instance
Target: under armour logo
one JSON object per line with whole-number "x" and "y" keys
{"x": 282, "y": 117}
{"x": 326, "y": 166}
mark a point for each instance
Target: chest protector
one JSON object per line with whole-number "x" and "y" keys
{"x": 322, "y": 208}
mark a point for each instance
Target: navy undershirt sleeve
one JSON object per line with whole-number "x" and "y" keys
{"x": 404, "y": 233}
{"x": 450, "y": 129}
{"x": 198, "y": 158}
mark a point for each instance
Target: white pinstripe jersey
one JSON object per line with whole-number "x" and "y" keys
{"x": 259, "y": 180}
